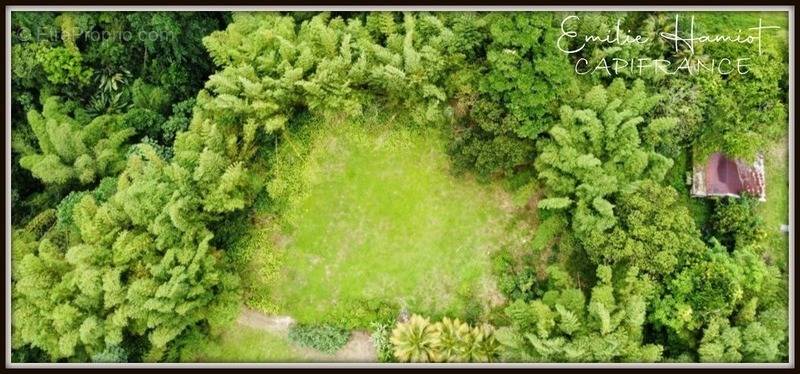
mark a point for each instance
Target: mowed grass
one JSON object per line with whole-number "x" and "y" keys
{"x": 245, "y": 344}
{"x": 775, "y": 211}
{"x": 379, "y": 219}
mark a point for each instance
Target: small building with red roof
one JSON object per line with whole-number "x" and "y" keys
{"x": 721, "y": 176}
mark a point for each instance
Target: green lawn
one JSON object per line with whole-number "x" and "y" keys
{"x": 775, "y": 211}
{"x": 244, "y": 344}
{"x": 376, "y": 221}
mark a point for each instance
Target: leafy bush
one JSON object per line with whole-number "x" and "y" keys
{"x": 178, "y": 121}
{"x": 413, "y": 340}
{"x": 106, "y": 189}
{"x": 735, "y": 222}
{"x": 149, "y": 97}
{"x": 516, "y": 96}
{"x": 146, "y": 122}
{"x": 513, "y": 280}
{"x": 90, "y": 59}
{"x": 474, "y": 150}
{"x": 324, "y": 338}
{"x": 357, "y": 314}
{"x": 111, "y": 355}
{"x": 27, "y": 353}
{"x": 654, "y": 232}
{"x": 381, "y": 335}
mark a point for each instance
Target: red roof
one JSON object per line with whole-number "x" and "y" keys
{"x": 721, "y": 176}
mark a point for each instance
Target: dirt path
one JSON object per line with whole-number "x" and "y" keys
{"x": 358, "y": 349}
{"x": 276, "y": 324}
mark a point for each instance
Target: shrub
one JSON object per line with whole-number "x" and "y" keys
{"x": 735, "y": 222}
{"x": 111, "y": 354}
{"x": 381, "y": 333}
{"x": 150, "y": 97}
{"x": 324, "y": 338}
{"x": 145, "y": 121}
{"x": 515, "y": 281}
{"x": 179, "y": 121}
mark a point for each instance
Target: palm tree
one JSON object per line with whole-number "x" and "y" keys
{"x": 451, "y": 339}
{"x": 413, "y": 340}
{"x": 483, "y": 346}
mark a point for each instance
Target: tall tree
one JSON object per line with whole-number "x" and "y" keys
{"x": 562, "y": 327}
{"x": 601, "y": 147}
{"x": 70, "y": 150}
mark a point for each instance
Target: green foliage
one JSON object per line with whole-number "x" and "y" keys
{"x": 327, "y": 64}
{"x": 717, "y": 285}
{"x": 766, "y": 340}
{"x": 654, "y": 232}
{"x": 106, "y": 189}
{"x": 381, "y": 335}
{"x": 63, "y": 65}
{"x": 146, "y": 122}
{"x": 74, "y": 302}
{"x": 735, "y": 222}
{"x": 561, "y": 327}
{"x": 90, "y": 59}
{"x": 526, "y": 77}
{"x": 746, "y": 112}
{"x": 147, "y": 252}
{"x": 547, "y": 232}
{"x": 110, "y": 355}
{"x": 324, "y": 338}
{"x": 28, "y": 354}
{"x": 70, "y": 150}
{"x": 134, "y": 253}
{"x": 513, "y": 281}
{"x": 601, "y": 147}
{"x": 149, "y": 97}
{"x": 721, "y": 342}
{"x": 66, "y": 207}
{"x": 413, "y": 340}
{"x": 486, "y": 154}
{"x": 516, "y": 96}
{"x": 449, "y": 340}
{"x": 757, "y": 341}
{"x": 178, "y": 121}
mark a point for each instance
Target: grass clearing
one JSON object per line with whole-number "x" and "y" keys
{"x": 376, "y": 222}
{"x": 775, "y": 211}
{"x": 245, "y": 344}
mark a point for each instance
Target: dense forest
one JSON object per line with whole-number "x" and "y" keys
{"x": 447, "y": 184}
